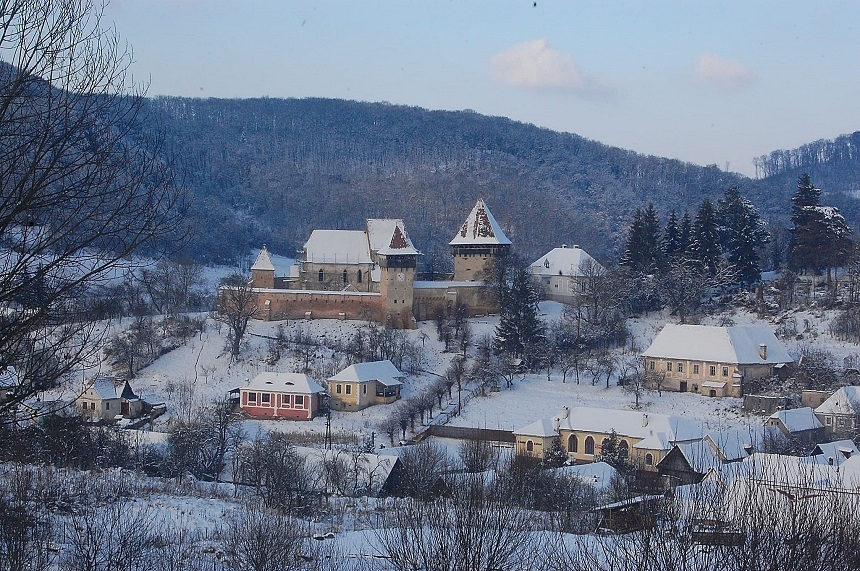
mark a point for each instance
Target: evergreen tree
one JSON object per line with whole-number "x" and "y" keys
{"x": 742, "y": 233}
{"x": 705, "y": 245}
{"x": 685, "y": 236}
{"x": 519, "y": 328}
{"x": 820, "y": 236}
{"x": 671, "y": 236}
{"x": 643, "y": 252}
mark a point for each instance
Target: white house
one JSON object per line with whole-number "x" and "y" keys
{"x": 713, "y": 361}
{"x": 561, "y": 272}
{"x": 840, "y": 413}
{"x": 364, "y": 384}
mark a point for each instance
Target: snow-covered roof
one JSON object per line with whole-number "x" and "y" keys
{"x": 9, "y": 378}
{"x": 296, "y": 383}
{"x": 798, "y": 419}
{"x": 264, "y": 262}
{"x": 105, "y": 388}
{"x": 599, "y": 474}
{"x": 337, "y": 247}
{"x": 562, "y": 261}
{"x": 739, "y": 344}
{"x": 480, "y": 228}
{"x": 844, "y": 401}
{"x": 382, "y": 371}
{"x": 368, "y": 472}
{"x": 738, "y": 443}
{"x": 388, "y": 236}
{"x": 543, "y": 428}
{"x": 839, "y": 450}
{"x": 657, "y": 431}
{"x": 700, "y": 456}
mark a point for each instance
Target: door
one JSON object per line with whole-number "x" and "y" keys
{"x": 683, "y": 386}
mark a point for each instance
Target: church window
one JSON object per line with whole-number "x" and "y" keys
{"x": 320, "y": 275}
{"x": 589, "y": 445}
{"x": 358, "y": 277}
{"x": 572, "y": 443}
{"x": 345, "y": 278}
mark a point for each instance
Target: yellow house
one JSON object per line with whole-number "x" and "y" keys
{"x": 583, "y": 431}
{"x": 713, "y": 361}
{"x": 364, "y": 384}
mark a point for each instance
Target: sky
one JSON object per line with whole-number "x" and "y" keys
{"x": 701, "y": 81}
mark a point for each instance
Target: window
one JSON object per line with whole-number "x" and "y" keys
{"x": 349, "y": 389}
{"x": 265, "y": 398}
{"x": 345, "y": 277}
{"x": 320, "y": 275}
{"x": 252, "y": 397}
{"x": 107, "y": 406}
{"x": 680, "y": 367}
{"x": 573, "y": 443}
{"x": 840, "y": 422}
{"x": 530, "y": 446}
{"x": 669, "y": 366}
{"x": 829, "y": 420}
{"x": 651, "y": 365}
{"x": 725, "y": 371}
{"x": 337, "y": 389}
{"x": 713, "y": 370}
{"x": 649, "y": 460}
{"x": 285, "y": 400}
{"x": 589, "y": 445}
{"x": 300, "y": 400}
{"x": 358, "y": 276}
{"x": 695, "y": 369}
{"x": 623, "y": 449}
{"x": 364, "y": 389}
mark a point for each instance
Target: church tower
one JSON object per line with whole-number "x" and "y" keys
{"x": 397, "y": 260}
{"x": 478, "y": 241}
{"x": 263, "y": 271}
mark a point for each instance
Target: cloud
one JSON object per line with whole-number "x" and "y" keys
{"x": 535, "y": 64}
{"x": 714, "y": 70}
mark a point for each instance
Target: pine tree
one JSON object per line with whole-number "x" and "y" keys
{"x": 671, "y": 236}
{"x": 643, "y": 252}
{"x": 742, "y": 233}
{"x": 705, "y": 245}
{"x": 820, "y": 236}
{"x": 519, "y": 327}
{"x": 685, "y": 236}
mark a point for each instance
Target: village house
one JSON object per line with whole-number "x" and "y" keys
{"x": 289, "y": 396}
{"x": 371, "y": 274}
{"x": 8, "y": 383}
{"x": 798, "y": 423}
{"x": 105, "y": 400}
{"x": 562, "y": 273}
{"x": 582, "y": 432}
{"x": 837, "y": 452}
{"x": 840, "y": 413}
{"x": 364, "y": 384}
{"x": 713, "y": 361}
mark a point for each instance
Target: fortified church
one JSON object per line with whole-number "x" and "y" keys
{"x": 371, "y": 274}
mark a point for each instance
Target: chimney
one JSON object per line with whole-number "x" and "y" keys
{"x": 830, "y": 460}
{"x": 645, "y": 419}
{"x": 762, "y": 351}
{"x": 555, "y": 423}
{"x": 565, "y": 412}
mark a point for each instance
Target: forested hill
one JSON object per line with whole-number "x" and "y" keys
{"x": 272, "y": 170}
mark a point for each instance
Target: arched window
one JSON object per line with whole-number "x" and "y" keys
{"x": 589, "y": 445}
{"x": 530, "y": 446}
{"x": 320, "y": 275}
{"x": 623, "y": 449}
{"x": 649, "y": 460}
{"x": 345, "y": 279}
{"x": 358, "y": 278}
{"x": 603, "y": 444}
{"x": 573, "y": 443}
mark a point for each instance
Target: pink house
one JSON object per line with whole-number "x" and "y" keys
{"x": 290, "y": 396}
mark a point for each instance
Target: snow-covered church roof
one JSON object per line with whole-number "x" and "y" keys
{"x": 264, "y": 261}
{"x": 337, "y": 247}
{"x": 740, "y": 344}
{"x": 387, "y": 236}
{"x": 561, "y": 261}
{"x": 480, "y": 228}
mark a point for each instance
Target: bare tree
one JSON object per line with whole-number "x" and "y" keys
{"x": 264, "y": 540}
{"x": 84, "y": 183}
{"x": 237, "y": 304}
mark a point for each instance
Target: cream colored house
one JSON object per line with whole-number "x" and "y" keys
{"x": 99, "y": 401}
{"x": 582, "y": 432}
{"x": 364, "y": 384}
{"x": 840, "y": 413}
{"x": 561, "y": 272}
{"x": 713, "y": 361}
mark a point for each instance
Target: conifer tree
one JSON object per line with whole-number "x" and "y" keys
{"x": 671, "y": 236}
{"x": 519, "y": 328}
{"x": 706, "y": 239}
{"x": 820, "y": 236}
{"x": 643, "y": 252}
{"x": 685, "y": 235}
{"x": 742, "y": 233}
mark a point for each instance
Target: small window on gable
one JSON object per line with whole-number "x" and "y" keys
{"x": 649, "y": 460}
{"x": 530, "y": 446}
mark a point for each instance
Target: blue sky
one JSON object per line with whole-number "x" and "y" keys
{"x": 708, "y": 82}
